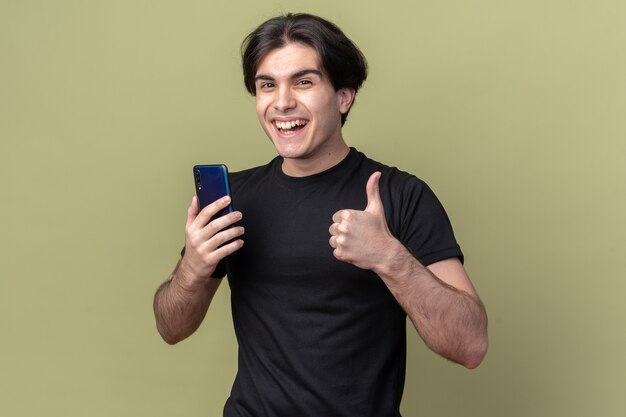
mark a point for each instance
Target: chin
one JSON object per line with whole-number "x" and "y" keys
{"x": 289, "y": 152}
{"x": 288, "y": 149}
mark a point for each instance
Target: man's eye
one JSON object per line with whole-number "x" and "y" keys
{"x": 304, "y": 82}
{"x": 265, "y": 86}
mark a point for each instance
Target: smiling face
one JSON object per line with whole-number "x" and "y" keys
{"x": 299, "y": 109}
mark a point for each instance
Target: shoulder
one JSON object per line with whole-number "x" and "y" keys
{"x": 407, "y": 198}
{"x": 394, "y": 180}
{"x": 415, "y": 215}
{"x": 252, "y": 175}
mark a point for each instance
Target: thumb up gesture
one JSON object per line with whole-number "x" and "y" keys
{"x": 360, "y": 237}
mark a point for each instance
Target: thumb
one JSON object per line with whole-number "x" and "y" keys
{"x": 192, "y": 211}
{"x": 374, "y": 203}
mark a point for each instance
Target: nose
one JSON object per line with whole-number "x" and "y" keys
{"x": 284, "y": 99}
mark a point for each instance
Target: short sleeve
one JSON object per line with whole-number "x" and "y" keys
{"x": 421, "y": 223}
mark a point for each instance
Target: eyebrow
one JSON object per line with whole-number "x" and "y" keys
{"x": 298, "y": 74}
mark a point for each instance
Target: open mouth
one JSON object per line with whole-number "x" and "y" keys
{"x": 290, "y": 127}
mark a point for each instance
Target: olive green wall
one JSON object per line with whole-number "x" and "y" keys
{"x": 513, "y": 111}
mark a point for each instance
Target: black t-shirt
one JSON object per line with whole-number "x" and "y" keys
{"x": 317, "y": 336}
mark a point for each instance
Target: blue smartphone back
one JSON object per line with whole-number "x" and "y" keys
{"x": 212, "y": 184}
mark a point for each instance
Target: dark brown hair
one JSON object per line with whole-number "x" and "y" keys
{"x": 341, "y": 60}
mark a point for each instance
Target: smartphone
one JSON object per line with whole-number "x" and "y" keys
{"x": 212, "y": 184}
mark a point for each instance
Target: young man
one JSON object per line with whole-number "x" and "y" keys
{"x": 338, "y": 250}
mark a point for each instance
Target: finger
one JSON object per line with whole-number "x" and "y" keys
{"x": 342, "y": 215}
{"x": 333, "y": 242}
{"x": 220, "y": 223}
{"x": 224, "y": 236}
{"x": 228, "y": 249}
{"x": 211, "y": 210}
{"x": 374, "y": 203}
{"x": 340, "y": 255}
{"x": 192, "y": 210}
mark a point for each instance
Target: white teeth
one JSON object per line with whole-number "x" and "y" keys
{"x": 290, "y": 124}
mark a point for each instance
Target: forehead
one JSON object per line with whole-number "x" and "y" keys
{"x": 288, "y": 59}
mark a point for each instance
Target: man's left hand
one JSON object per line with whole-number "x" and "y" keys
{"x": 360, "y": 237}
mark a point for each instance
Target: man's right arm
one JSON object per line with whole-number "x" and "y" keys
{"x": 182, "y": 301}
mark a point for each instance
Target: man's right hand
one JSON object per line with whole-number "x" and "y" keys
{"x": 205, "y": 241}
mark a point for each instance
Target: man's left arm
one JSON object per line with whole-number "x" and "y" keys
{"x": 439, "y": 299}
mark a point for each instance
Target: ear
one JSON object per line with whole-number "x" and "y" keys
{"x": 345, "y": 98}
